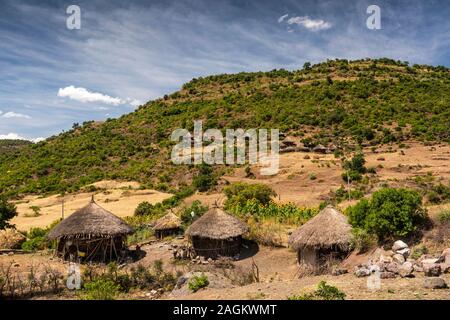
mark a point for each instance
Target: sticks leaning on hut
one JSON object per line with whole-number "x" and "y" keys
{"x": 91, "y": 233}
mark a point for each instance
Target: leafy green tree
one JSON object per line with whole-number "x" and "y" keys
{"x": 389, "y": 213}
{"x": 240, "y": 193}
{"x": 7, "y": 212}
{"x": 205, "y": 179}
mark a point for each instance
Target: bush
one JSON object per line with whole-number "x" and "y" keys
{"x": 186, "y": 214}
{"x": 36, "y": 239}
{"x": 418, "y": 252}
{"x": 143, "y": 208}
{"x": 362, "y": 240}
{"x": 323, "y": 292}
{"x": 389, "y": 213}
{"x": 7, "y": 212}
{"x": 240, "y": 193}
{"x": 100, "y": 289}
{"x": 205, "y": 179}
{"x": 198, "y": 282}
{"x": 444, "y": 216}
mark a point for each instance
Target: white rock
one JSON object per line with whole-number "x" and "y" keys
{"x": 399, "y": 245}
{"x": 399, "y": 258}
{"x": 406, "y": 270}
{"x": 429, "y": 261}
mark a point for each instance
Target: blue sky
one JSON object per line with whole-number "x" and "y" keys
{"x": 131, "y": 52}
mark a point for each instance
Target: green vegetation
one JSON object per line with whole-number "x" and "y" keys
{"x": 389, "y": 213}
{"x": 371, "y": 101}
{"x": 444, "y": 216}
{"x": 323, "y": 292}
{"x": 205, "y": 179}
{"x": 418, "y": 252}
{"x": 354, "y": 168}
{"x": 36, "y": 238}
{"x": 186, "y": 213}
{"x": 100, "y": 289}
{"x": 10, "y": 146}
{"x": 198, "y": 282}
{"x": 7, "y": 212}
{"x": 240, "y": 193}
{"x": 281, "y": 213}
{"x": 362, "y": 240}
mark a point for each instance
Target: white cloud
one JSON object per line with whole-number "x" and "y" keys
{"x": 83, "y": 95}
{"x": 15, "y": 136}
{"x": 310, "y": 24}
{"x": 134, "y": 102}
{"x": 12, "y": 114}
{"x": 281, "y": 19}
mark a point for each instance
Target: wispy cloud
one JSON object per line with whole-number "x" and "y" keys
{"x": 12, "y": 114}
{"x": 84, "y": 95}
{"x": 310, "y": 24}
{"x": 281, "y": 19}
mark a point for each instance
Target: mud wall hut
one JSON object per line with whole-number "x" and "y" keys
{"x": 217, "y": 234}
{"x": 168, "y": 225}
{"x": 90, "y": 234}
{"x": 322, "y": 240}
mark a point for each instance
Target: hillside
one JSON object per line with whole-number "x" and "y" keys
{"x": 8, "y": 146}
{"x": 369, "y": 102}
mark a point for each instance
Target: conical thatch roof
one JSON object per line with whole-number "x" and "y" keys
{"x": 169, "y": 221}
{"x": 90, "y": 221}
{"x": 217, "y": 224}
{"x": 327, "y": 229}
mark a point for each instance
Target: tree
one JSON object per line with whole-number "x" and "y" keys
{"x": 389, "y": 213}
{"x": 7, "y": 212}
{"x": 307, "y": 65}
{"x": 240, "y": 193}
{"x": 205, "y": 179}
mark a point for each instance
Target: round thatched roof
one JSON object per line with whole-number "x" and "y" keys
{"x": 169, "y": 221}
{"x": 327, "y": 229}
{"x": 217, "y": 224}
{"x": 90, "y": 221}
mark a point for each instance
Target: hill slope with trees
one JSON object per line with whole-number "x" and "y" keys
{"x": 341, "y": 102}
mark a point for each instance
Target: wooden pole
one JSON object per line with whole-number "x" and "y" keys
{"x": 62, "y": 209}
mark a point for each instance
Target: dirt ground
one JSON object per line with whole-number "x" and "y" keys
{"x": 277, "y": 280}
{"x": 293, "y": 182}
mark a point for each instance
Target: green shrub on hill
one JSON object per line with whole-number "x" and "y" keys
{"x": 389, "y": 213}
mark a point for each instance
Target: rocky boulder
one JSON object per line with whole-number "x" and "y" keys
{"x": 406, "y": 270}
{"x": 399, "y": 245}
{"x": 434, "y": 283}
{"x": 399, "y": 258}
{"x": 432, "y": 270}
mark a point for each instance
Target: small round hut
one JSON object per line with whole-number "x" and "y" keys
{"x": 168, "y": 225}
{"x": 217, "y": 234}
{"x": 90, "y": 234}
{"x": 324, "y": 238}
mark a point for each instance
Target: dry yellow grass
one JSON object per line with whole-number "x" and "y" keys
{"x": 121, "y": 198}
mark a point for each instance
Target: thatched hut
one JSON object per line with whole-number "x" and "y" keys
{"x": 90, "y": 234}
{"x": 217, "y": 234}
{"x": 168, "y": 225}
{"x": 324, "y": 238}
